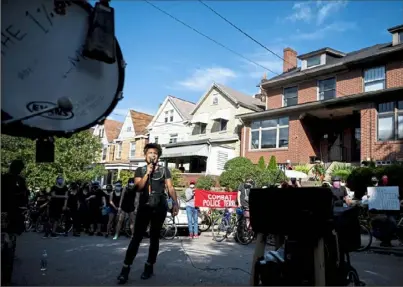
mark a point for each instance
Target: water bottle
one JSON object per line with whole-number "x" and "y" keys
{"x": 44, "y": 262}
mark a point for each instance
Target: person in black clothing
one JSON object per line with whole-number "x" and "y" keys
{"x": 126, "y": 207}
{"x": 73, "y": 203}
{"x": 96, "y": 201}
{"x": 14, "y": 199}
{"x": 114, "y": 203}
{"x": 83, "y": 208}
{"x": 58, "y": 204}
{"x": 151, "y": 181}
{"x": 340, "y": 195}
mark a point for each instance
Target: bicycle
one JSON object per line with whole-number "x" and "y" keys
{"x": 244, "y": 233}
{"x": 365, "y": 230}
{"x": 61, "y": 225}
{"x": 206, "y": 220}
{"x": 227, "y": 223}
{"x": 169, "y": 228}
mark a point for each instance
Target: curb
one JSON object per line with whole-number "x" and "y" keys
{"x": 388, "y": 251}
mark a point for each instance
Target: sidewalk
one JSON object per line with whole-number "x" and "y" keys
{"x": 396, "y": 250}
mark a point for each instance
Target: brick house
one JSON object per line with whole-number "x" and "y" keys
{"x": 344, "y": 107}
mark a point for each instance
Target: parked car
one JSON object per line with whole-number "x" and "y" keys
{"x": 181, "y": 220}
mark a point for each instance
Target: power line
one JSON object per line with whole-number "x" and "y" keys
{"x": 254, "y": 40}
{"x": 208, "y": 37}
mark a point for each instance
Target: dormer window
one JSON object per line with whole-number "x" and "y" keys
{"x": 313, "y": 61}
{"x": 400, "y": 37}
{"x": 397, "y": 35}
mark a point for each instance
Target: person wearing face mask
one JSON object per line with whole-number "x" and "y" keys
{"x": 151, "y": 182}
{"x": 58, "y": 204}
{"x": 340, "y": 195}
{"x": 83, "y": 209}
{"x": 114, "y": 203}
{"x": 72, "y": 209}
{"x": 191, "y": 211}
{"x": 126, "y": 207}
{"x": 243, "y": 199}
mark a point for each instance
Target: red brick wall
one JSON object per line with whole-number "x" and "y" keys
{"x": 274, "y": 98}
{"x": 394, "y": 74}
{"x": 308, "y": 92}
{"x": 349, "y": 83}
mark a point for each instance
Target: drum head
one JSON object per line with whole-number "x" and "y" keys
{"x": 42, "y": 62}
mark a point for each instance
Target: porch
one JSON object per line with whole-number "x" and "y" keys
{"x": 190, "y": 158}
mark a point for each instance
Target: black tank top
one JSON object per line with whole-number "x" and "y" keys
{"x": 128, "y": 199}
{"x": 116, "y": 199}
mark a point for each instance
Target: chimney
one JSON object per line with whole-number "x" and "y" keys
{"x": 290, "y": 60}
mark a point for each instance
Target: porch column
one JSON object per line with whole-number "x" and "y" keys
{"x": 119, "y": 169}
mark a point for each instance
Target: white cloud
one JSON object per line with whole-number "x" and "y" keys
{"x": 302, "y": 12}
{"x": 336, "y": 27}
{"x": 319, "y": 10}
{"x": 201, "y": 79}
{"x": 328, "y": 8}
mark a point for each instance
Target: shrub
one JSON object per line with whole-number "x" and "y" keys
{"x": 261, "y": 164}
{"x": 176, "y": 177}
{"x": 205, "y": 182}
{"x": 269, "y": 177}
{"x": 302, "y": 168}
{"x": 236, "y": 171}
{"x": 124, "y": 176}
{"x": 272, "y": 163}
{"x": 342, "y": 170}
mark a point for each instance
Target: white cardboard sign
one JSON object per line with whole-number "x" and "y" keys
{"x": 383, "y": 198}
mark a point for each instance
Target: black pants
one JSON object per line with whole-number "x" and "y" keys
{"x": 146, "y": 215}
{"x": 73, "y": 218}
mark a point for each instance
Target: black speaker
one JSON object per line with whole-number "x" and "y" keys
{"x": 45, "y": 150}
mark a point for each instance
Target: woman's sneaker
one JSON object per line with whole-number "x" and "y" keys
{"x": 124, "y": 275}
{"x": 115, "y": 237}
{"x": 191, "y": 236}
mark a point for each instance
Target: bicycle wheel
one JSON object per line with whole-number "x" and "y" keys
{"x": 366, "y": 238}
{"x": 28, "y": 224}
{"x": 127, "y": 230}
{"x": 244, "y": 232}
{"x": 220, "y": 225}
{"x": 40, "y": 225}
{"x": 169, "y": 229}
{"x": 206, "y": 223}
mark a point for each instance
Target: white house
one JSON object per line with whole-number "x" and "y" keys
{"x": 215, "y": 132}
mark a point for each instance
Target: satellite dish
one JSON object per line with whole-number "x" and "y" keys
{"x": 48, "y": 87}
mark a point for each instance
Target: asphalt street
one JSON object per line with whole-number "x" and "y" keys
{"x": 97, "y": 261}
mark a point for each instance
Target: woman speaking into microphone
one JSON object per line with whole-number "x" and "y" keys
{"x": 151, "y": 181}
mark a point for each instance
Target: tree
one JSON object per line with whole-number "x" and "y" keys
{"x": 124, "y": 176}
{"x": 272, "y": 163}
{"x": 261, "y": 164}
{"x": 74, "y": 159}
{"x": 236, "y": 171}
{"x": 205, "y": 182}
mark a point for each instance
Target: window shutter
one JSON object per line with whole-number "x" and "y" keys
{"x": 222, "y": 158}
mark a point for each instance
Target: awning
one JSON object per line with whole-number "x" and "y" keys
{"x": 181, "y": 151}
{"x": 200, "y": 118}
{"x": 222, "y": 114}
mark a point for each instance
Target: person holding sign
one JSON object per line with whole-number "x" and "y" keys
{"x": 151, "y": 181}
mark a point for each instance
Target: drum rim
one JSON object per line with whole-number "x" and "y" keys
{"x": 25, "y": 131}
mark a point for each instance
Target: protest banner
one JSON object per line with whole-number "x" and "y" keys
{"x": 383, "y": 198}
{"x": 213, "y": 199}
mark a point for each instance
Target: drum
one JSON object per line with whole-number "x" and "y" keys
{"x": 42, "y": 63}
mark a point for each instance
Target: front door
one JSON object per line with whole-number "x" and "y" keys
{"x": 356, "y": 145}
{"x": 336, "y": 149}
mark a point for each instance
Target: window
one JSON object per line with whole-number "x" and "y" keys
{"x": 222, "y": 158}
{"x": 390, "y": 121}
{"x": 171, "y": 117}
{"x": 199, "y": 129}
{"x": 132, "y": 149}
{"x": 215, "y": 99}
{"x": 104, "y": 152}
{"x": 327, "y": 89}
{"x": 219, "y": 125}
{"x": 400, "y": 37}
{"x": 173, "y": 138}
{"x": 166, "y": 116}
{"x": 128, "y": 129}
{"x": 119, "y": 152}
{"x": 290, "y": 97}
{"x": 313, "y": 61}
{"x": 156, "y": 140}
{"x": 101, "y": 133}
{"x": 271, "y": 133}
{"x": 374, "y": 79}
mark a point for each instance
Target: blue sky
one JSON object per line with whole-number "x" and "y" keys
{"x": 166, "y": 58}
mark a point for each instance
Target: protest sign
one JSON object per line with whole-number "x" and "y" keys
{"x": 213, "y": 199}
{"x": 383, "y": 198}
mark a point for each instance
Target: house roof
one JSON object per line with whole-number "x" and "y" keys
{"x": 350, "y": 58}
{"x": 140, "y": 121}
{"x": 238, "y": 98}
{"x": 112, "y": 129}
{"x": 184, "y": 107}
{"x": 321, "y": 51}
